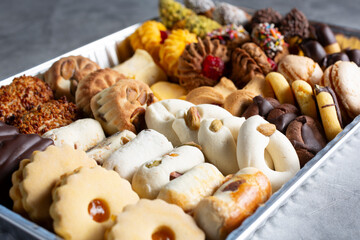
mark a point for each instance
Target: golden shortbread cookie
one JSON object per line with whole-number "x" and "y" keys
{"x": 85, "y": 202}
{"x": 237, "y": 102}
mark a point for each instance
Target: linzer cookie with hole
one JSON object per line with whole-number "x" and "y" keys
{"x": 86, "y": 202}
{"x": 22, "y": 95}
{"x": 66, "y": 73}
{"x": 39, "y": 176}
{"x": 157, "y": 219}
{"x": 122, "y": 106}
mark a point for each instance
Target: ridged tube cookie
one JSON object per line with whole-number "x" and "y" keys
{"x": 85, "y": 202}
{"x": 154, "y": 219}
{"x": 151, "y": 176}
{"x": 41, "y": 174}
{"x": 122, "y": 106}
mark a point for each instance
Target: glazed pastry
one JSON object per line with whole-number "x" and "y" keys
{"x": 257, "y": 137}
{"x": 187, "y": 122}
{"x": 15, "y": 147}
{"x": 270, "y": 40}
{"x": 232, "y": 203}
{"x": 329, "y": 111}
{"x": 282, "y": 115}
{"x": 23, "y": 94}
{"x": 141, "y": 67}
{"x": 161, "y": 115}
{"x": 40, "y": 175}
{"x": 294, "y": 67}
{"x": 225, "y": 13}
{"x": 294, "y": 24}
{"x": 231, "y": 35}
{"x": 86, "y": 201}
{"x": 202, "y": 7}
{"x": 342, "y": 77}
{"x": 107, "y": 146}
{"x": 237, "y": 102}
{"x": 82, "y": 134}
{"x": 122, "y": 106}
{"x": 281, "y": 87}
{"x": 50, "y": 115}
{"x": 326, "y": 37}
{"x": 92, "y": 84}
{"x": 202, "y": 64}
{"x": 218, "y": 143}
{"x": 266, "y": 15}
{"x": 261, "y": 106}
{"x": 159, "y": 220}
{"x": 66, "y": 73}
{"x": 146, "y": 146}
{"x": 188, "y": 189}
{"x": 149, "y": 36}
{"x": 167, "y": 90}
{"x": 172, "y": 49}
{"x": 305, "y": 98}
{"x": 307, "y": 137}
{"x": 153, "y": 175}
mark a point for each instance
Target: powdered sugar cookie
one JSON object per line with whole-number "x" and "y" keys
{"x": 85, "y": 202}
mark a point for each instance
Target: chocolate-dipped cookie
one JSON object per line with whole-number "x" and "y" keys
{"x": 307, "y": 137}
{"x": 261, "y": 106}
{"x": 282, "y": 115}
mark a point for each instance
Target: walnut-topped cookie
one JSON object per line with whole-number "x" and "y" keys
{"x": 122, "y": 106}
{"x": 92, "y": 84}
{"x": 65, "y": 74}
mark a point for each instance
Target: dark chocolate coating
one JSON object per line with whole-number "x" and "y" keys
{"x": 330, "y": 59}
{"x": 307, "y": 137}
{"x": 260, "y": 106}
{"x": 314, "y": 50}
{"x": 324, "y": 34}
{"x": 354, "y": 55}
{"x": 282, "y": 115}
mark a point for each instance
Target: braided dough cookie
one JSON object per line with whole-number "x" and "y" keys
{"x": 122, "y": 106}
{"x": 153, "y": 175}
{"x": 161, "y": 115}
{"x": 146, "y": 146}
{"x": 66, "y": 73}
{"x": 40, "y": 175}
{"x": 86, "y": 201}
{"x": 187, "y": 190}
{"x": 256, "y": 137}
{"x": 159, "y": 220}
{"x": 92, "y": 84}
{"x": 81, "y": 134}
{"x": 232, "y": 203}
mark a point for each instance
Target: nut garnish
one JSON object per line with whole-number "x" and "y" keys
{"x": 266, "y": 129}
{"x": 137, "y": 118}
{"x": 216, "y": 125}
{"x": 192, "y": 118}
{"x": 125, "y": 140}
{"x": 153, "y": 163}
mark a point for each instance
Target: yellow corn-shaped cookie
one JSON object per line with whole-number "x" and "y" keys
{"x": 330, "y": 118}
{"x": 281, "y": 87}
{"x": 304, "y": 96}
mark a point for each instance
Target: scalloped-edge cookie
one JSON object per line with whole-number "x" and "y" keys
{"x": 41, "y": 174}
{"x": 85, "y": 203}
{"x": 158, "y": 220}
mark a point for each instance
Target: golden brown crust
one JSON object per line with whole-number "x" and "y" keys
{"x": 237, "y": 102}
{"x": 50, "y": 115}
{"x": 65, "y": 74}
{"x": 93, "y": 84}
{"x": 23, "y": 94}
{"x": 203, "y": 95}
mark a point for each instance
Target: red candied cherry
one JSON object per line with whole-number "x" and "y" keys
{"x": 164, "y": 35}
{"x": 212, "y": 67}
{"x": 273, "y": 64}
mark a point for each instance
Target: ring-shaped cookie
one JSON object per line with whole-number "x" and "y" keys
{"x": 158, "y": 220}
{"x": 86, "y": 201}
{"x": 257, "y": 135}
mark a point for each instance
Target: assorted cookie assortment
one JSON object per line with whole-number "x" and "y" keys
{"x": 215, "y": 111}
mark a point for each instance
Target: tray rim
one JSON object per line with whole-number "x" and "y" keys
{"x": 252, "y": 223}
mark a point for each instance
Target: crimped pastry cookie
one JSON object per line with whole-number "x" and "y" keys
{"x": 86, "y": 202}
